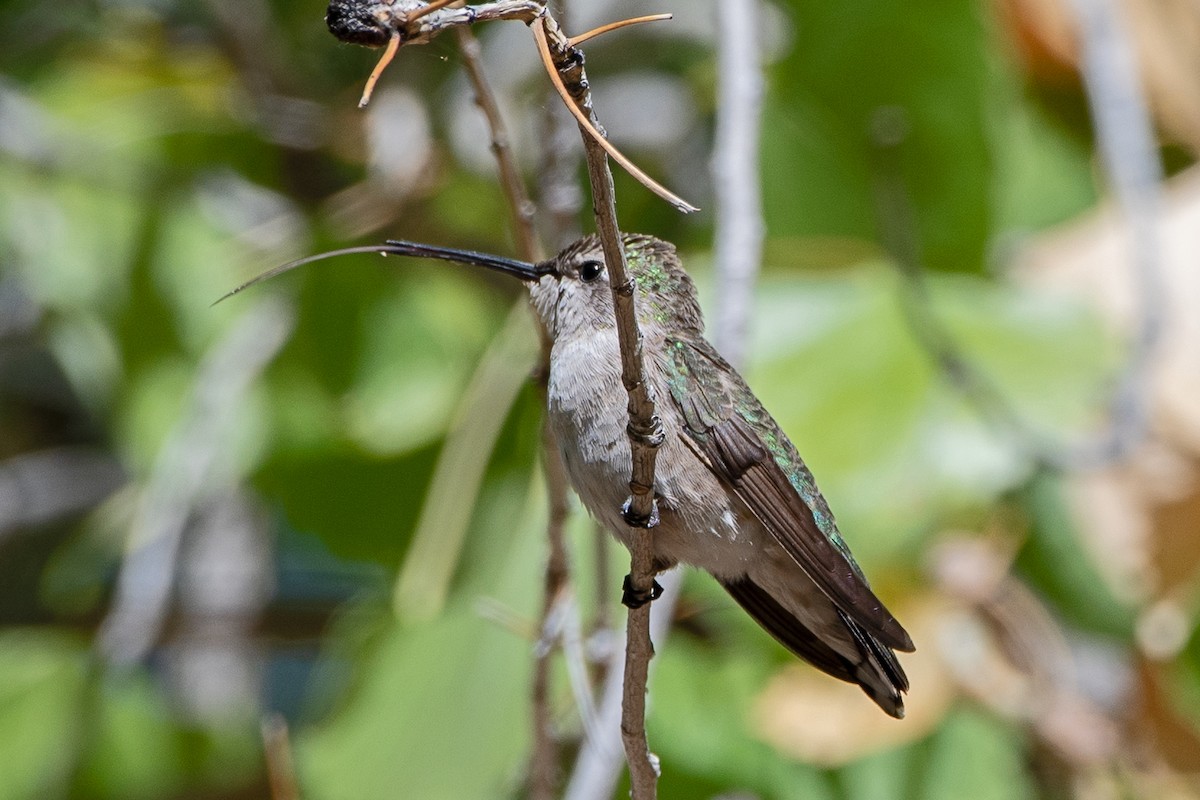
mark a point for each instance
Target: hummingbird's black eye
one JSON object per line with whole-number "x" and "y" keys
{"x": 590, "y": 270}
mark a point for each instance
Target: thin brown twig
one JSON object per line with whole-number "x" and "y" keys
{"x": 520, "y": 207}
{"x": 645, "y": 428}
{"x": 613, "y": 26}
{"x": 415, "y": 27}
{"x": 277, "y": 748}
{"x": 589, "y": 126}
{"x": 369, "y": 89}
{"x": 543, "y": 774}
{"x": 560, "y": 196}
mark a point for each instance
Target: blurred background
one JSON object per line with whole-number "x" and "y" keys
{"x": 301, "y": 533}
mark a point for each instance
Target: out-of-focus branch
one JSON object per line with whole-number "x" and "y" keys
{"x": 1126, "y": 140}
{"x": 739, "y": 222}
{"x": 560, "y": 196}
{"x": 185, "y": 468}
{"x": 543, "y": 763}
{"x": 424, "y": 578}
{"x": 519, "y": 205}
{"x": 1127, "y": 148}
{"x": 281, "y": 770}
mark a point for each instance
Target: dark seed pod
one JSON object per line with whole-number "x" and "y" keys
{"x": 354, "y": 22}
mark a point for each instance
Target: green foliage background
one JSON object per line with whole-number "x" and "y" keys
{"x": 156, "y": 154}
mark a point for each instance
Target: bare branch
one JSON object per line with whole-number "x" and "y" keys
{"x": 560, "y": 196}
{"x": 614, "y": 26}
{"x": 739, "y": 245}
{"x": 543, "y": 763}
{"x": 544, "y": 758}
{"x": 564, "y": 64}
{"x": 588, "y": 124}
{"x": 594, "y": 776}
{"x": 413, "y": 16}
{"x": 416, "y": 23}
{"x": 393, "y": 47}
{"x": 281, "y": 770}
{"x": 645, "y": 428}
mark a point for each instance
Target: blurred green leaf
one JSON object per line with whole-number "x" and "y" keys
{"x": 978, "y": 757}
{"x": 894, "y": 447}
{"x": 42, "y": 679}
{"x": 848, "y": 61}
{"x": 1056, "y": 563}
{"x": 696, "y": 724}
{"x": 136, "y": 751}
{"x": 441, "y": 707}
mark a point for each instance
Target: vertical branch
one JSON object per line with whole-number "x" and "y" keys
{"x": 281, "y": 770}
{"x": 1127, "y": 147}
{"x": 645, "y": 428}
{"x": 543, "y": 764}
{"x": 185, "y": 467}
{"x": 739, "y": 223}
{"x": 560, "y": 197}
{"x": 740, "y": 231}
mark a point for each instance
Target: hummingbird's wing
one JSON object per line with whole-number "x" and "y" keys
{"x": 735, "y": 436}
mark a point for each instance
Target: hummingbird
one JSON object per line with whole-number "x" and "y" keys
{"x": 734, "y": 497}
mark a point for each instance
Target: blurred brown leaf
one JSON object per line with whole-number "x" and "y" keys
{"x": 820, "y": 721}
{"x": 1165, "y": 35}
{"x": 1139, "y": 517}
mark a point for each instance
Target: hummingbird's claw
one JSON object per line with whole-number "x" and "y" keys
{"x": 635, "y": 598}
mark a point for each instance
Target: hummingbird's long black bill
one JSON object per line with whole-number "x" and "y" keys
{"x": 509, "y": 266}
{"x": 394, "y": 247}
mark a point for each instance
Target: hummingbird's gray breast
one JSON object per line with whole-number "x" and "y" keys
{"x": 701, "y": 523}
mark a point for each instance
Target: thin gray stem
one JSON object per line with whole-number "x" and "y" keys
{"x": 185, "y": 468}
{"x": 739, "y": 222}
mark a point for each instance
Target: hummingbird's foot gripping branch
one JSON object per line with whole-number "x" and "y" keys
{"x": 636, "y": 598}
{"x": 635, "y": 520}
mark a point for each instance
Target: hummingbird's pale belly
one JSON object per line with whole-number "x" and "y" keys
{"x": 701, "y": 522}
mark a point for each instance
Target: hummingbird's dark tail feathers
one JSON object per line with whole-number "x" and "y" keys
{"x": 877, "y": 671}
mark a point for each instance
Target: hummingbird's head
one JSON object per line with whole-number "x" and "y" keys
{"x": 573, "y": 296}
